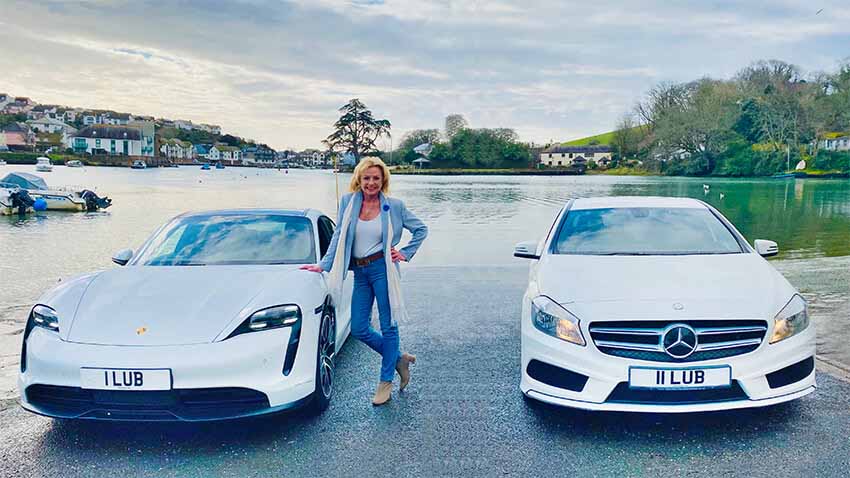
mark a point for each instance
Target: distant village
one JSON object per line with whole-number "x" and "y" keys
{"x": 44, "y": 128}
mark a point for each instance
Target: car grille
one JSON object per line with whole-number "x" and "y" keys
{"x": 167, "y": 405}
{"x": 623, "y": 394}
{"x": 642, "y": 340}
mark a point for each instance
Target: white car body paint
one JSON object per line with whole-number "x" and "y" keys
{"x": 669, "y": 289}
{"x": 187, "y": 313}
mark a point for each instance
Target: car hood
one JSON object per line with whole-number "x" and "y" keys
{"x": 147, "y": 305}
{"x": 661, "y": 287}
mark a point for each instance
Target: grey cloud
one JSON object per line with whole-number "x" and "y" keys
{"x": 551, "y": 69}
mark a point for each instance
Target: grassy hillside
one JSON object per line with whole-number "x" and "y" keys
{"x": 603, "y": 139}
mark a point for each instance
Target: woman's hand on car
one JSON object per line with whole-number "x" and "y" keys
{"x": 312, "y": 268}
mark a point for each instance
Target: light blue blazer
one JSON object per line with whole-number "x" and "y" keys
{"x": 402, "y": 219}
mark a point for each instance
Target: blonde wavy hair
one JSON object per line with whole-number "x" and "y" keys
{"x": 364, "y": 164}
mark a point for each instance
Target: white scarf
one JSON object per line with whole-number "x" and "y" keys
{"x": 335, "y": 276}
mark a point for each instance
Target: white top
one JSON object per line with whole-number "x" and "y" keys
{"x": 368, "y": 239}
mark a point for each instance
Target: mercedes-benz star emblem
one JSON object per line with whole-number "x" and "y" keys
{"x": 680, "y": 341}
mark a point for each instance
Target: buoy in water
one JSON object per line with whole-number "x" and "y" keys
{"x": 40, "y": 204}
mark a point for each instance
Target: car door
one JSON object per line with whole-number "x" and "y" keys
{"x": 343, "y": 311}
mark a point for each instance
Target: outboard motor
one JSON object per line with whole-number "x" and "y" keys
{"x": 93, "y": 202}
{"x": 21, "y": 200}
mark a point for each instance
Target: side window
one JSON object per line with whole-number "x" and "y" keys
{"x": 326, "y": 232}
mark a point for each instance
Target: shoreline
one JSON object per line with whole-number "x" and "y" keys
{"x": 156, "y": 162}
{"x": 612, "y": 172}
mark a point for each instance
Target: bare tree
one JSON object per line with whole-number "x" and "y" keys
{"x": 627, "y": 136}
{"x": 454, "y": 124}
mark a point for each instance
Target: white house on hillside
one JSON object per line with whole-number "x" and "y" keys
{"x": 117, "y": 119}
{"x": 840, "y": 143}
{"x": 184, "y": 124}
{"x": 213, "y": 154}
{"x": 176, "y": 149}
{"x": 209, "y": 128}
{"x": 50, "y": 125}
{"x": 230, "y": 154}
{"x": 111, "y": 140}
{"x": 575, "y": 155}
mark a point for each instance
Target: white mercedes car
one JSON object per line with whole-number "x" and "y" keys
{"x": 210, "y": 319}
{"x": 659, "y": 305}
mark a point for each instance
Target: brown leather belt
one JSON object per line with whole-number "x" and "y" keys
{"x": 365, "y": 261}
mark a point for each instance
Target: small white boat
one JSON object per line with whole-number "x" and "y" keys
{"x": 139, "y": 164}
{"x": 43, "y": 165}
{"x": 74, "y": 163}
{"x": 2, "y": 163}
{"x": 56, "y": 199}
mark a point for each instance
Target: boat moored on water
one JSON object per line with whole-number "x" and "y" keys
{"x": 43, "y": 164}
{"x": 2, "y": 163}
{"x": 57, "y": 199}
{"x": 205, "y": 167}
{"x": 219, "y": 165}
{"x": 139, "y": 164}
{"x": 74, "y": 163}
{"x": 14, "y": 200}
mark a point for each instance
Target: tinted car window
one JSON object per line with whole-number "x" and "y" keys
{"x": 326, "y": 232}
{"x": 644, "y": 231}
{"x": 232, "y": 239}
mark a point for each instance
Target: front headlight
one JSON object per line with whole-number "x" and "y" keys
{"x": 550, "y": 318}
{"x": 40, "y": 316}
{"x": 270, "y": 318}
{"x": 44, "y": 316}
{"x": 791, "y": 320}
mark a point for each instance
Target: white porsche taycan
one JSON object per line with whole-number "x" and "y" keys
{"x": 659, "y": 305}
{"x": 210, "y": 319}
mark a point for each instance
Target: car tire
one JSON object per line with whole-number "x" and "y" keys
{"x": 326, "y": 352}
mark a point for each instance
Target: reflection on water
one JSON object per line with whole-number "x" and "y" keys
{"x": 472, "y": 220}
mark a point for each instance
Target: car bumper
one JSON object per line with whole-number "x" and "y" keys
{"x": 606, "y": 386}
{"x": 238, "y": 377}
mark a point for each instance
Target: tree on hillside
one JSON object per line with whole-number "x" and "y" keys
{"x": 838, "y": 88}
{"x": 6, "y": 120}
{"x": 661, "y": 100}
{"x": 701, "y": 123}
{"x": 230, "y": 140}
{"x": 356, "y": 130}
{"x": 627, "y": 137}
{"x": 454, "y": 124}
{"x": 779, "y": 94}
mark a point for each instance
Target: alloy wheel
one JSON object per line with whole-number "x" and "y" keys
{"x": 326, "y": 353}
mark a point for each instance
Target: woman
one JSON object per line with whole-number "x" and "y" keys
{"x": 369, "y": 214}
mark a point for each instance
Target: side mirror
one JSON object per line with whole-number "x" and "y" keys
{"x": 526, "y": 250}
{"x": 122, "y": 257}
{"x": 766, "y": 248}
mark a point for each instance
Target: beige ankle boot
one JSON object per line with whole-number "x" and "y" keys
{"x": 383, "y": 393}
{"x": 402, "y": 366}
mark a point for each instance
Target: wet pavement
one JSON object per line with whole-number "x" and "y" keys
{"x": 463, "y": 415}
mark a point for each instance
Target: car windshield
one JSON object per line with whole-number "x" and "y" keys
{"x": 644, "y": 231}
{"x": 229, "y": 239}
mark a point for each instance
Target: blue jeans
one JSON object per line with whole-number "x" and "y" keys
{"x": 370, "y": 283}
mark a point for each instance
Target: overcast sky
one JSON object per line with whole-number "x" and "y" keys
{"x": 276, "y": 71}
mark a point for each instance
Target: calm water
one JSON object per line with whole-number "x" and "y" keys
{"x": 473, "y": 220}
